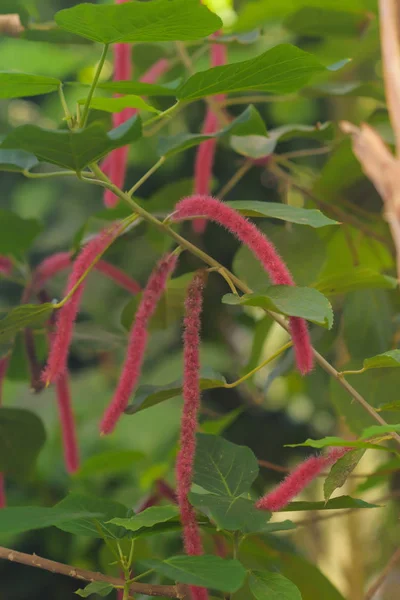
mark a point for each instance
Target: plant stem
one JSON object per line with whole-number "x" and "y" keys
{"x": 236, "y": 177}
{"x": 105, "y": 182}
{"x": 395, "y": 559}
{"x": 27, "y": 173}
{"x": 357, "y": 372}
{"x": 146, "y": 176}
{"x": 86, "y": 108}
{"x": 259, "y": 367}
{"x": 68, "y": 116}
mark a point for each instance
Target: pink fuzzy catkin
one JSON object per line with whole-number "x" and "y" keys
{"x": 296, "y": 481}
{"x": 70, "y": 444}
{"x": 262, "y": 248}
{"x": 191, "y": 405}
{"x": 137, "y": 342}
{"x": 204, "y": 161}
{"x": 6, "y": 265}
{"x": 3, "y": 371}
{"x": 57, "y": 360}
{"x": 60, "y": 261}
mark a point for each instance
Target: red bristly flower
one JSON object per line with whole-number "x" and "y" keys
{"x": 6, "y": 265}
{"x": 137, "y": 342}
{"x": 70, "y": 444}
{"x": 3, "y": 371}
{"x": 204, "y": 160}
{"x": 296, "y": 481}
{"x": 262, "y": 248}
{"x": 60, "y": 261}
{"x": 191, "y": 405}
{"x": 57, "y": 360}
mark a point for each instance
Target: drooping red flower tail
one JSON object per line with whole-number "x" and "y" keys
{"x": 70, "y": 444}
{"x": 191, "y": 404}
{"x": 156, "y": 71}
{"x": 137, "y": 342}
{"x": 166, "y": 491}
{"x": 204, "y": 160}
{"x": 57, "y": 360}
{"x": 6, "y": 265}
{"x": 3, "y": 372}
{"x": 296, "y": 481}
{"x": 60, "y": 261}
{"x": 262, "y": 248}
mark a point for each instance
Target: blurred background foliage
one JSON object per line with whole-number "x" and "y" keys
{"x": 277, "y": 406}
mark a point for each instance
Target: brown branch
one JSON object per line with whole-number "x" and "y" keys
{"x": 178, "y": 591}
{"x": 395, "y": 559}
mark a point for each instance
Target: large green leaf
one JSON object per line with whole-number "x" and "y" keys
{"x": 358, "y": 278}
{"x": 288, "y": 300}
{"x": 27, "y": 315}
{"x": 17, "y": 85}
{"x": 206, "y": 571}
{"x": 333, "y": 504}
{"x": 265, "y": 585}
{"x": 231, "y": 513}
{"x": 109, "y": 462}
{"x": 97, "y": 528}
{"x": 282, "y": 69}
{"x": 73, "y": 149}
{"x": 22, "y": 436}
{"x": 248, "y": 123}
{"x": 17, "y": 234}
{"x": 27, "y": 518}
{"x": 390, "y": 358}
{"x": 17, "y": 160}
{"x": 156, "y": 21}
{"x": 147, "y": 518}
{"x": 223, "y": 468}
{"x": 150, "y": 395}
{"x": 340, "y": 471}
{"x": 275, "y": 210}
{"x": 115, "y": 105}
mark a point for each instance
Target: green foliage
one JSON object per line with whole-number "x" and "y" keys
{"x": 272, "y": 585}
{"x": 149, "y": 517}
{"x": 27, "y": 518}
{"x": 291, "y": 214}
{"x": 17, "y": 234}
{"x": 22, "y": 437}
{"x": 32, "y": 315}
{"x": 15, "y": 85}
{"x": 95, "y": 587}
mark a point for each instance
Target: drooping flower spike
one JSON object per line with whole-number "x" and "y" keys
{"x": 6, "y": 265}
{"x": 262, "y": 248}
{"x": 191, "y": 404}
{"x": 67, "y": 421}
{"x": 204, "y": 160}
{"x": 60, "y": 261}
{"x": 137, "y": 342}
{"x": 57, "y": 359}
{"x": 299, "y": 479}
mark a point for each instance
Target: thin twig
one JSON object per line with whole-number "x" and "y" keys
{"x": 168, "y": 591}
{"x": 394, "y": 560}
{"x": 236, "y": 177}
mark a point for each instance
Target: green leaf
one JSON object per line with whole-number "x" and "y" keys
{"x": 253, "y": 146}
{"x": 357, "y": 278}
{"x": 27, "y": 518}
{"x": 27, "y": 315}
{"x": 17, "y": 234}
{"x": 169, "y": 309}
{"x": 275, "y": 210}
{"x": 17, "y": 160}
{"x": 156, "y": 21}
{"x": 18, "y": 85}
{"x": 218, "y": 426}
{"x": 379, "y": 430}
{"x": 95, "y": 587}
{"x": 247, "y": 123}
{"x": 313, "y": 21}
{"x": 339, "y": 442}
{"x": 115, "y": 105}
{"x": 333, "y": 504}
{"x": 223, "y": 468}
{"x": 22, "y": 436}
{"x": 280, "y": 70}
{"x": 140, "y": 89}
{"x": 147, "y": 518}
{"x": 107, "y": 509}
{"x": 150, "y": 395}
{"x": 73, "y": 149}
{"x": 231, "y": 513}
{"x": 289, "y": 300}
{"x": 110, "y": 462}
{"x": 390, "y": 358}
{"x": 272, "y": 586}
{"x": 206, "y": 571}
{"x": 340, "y": 471}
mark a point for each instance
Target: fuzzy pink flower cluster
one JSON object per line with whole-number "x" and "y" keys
{"x": 296, "y": 481}
{"x": 137, "y": 342}
{"x": 191, "y": 398}
{"x": 6, "y": 265}
{"x": 204, "y": 161}
{"x": 262, "y": 248}
{"x": 57, "y": 360}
